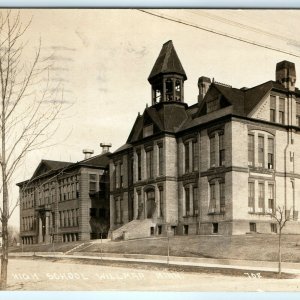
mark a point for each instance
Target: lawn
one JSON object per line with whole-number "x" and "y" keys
{"x": 249, "y": 247}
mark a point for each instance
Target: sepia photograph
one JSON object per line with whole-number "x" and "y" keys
{"x": 150, "y": 149}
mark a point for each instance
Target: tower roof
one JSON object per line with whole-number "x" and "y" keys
{"x": 167, "y": 62}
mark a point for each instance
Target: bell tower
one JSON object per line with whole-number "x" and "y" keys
{"x": 167, "y": 76}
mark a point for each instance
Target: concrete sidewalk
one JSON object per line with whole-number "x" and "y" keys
{"x": 247, "y": 265}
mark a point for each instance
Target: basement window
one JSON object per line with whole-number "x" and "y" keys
{"x": 151, "y": 230}
{"x": 215, "y": 227}
{"x": 186, "y": 229}
{"x": 252, "y": 227}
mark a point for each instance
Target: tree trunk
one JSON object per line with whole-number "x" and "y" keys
{"x": 4, "y": 258}
{"x": 5, "y": 213}
{"x": 279, "y": 254}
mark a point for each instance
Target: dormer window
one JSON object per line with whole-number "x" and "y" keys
{"x": 213, "y": 105}
{"x": 148, "y": 130}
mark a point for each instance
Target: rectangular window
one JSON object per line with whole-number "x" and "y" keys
{"x": 149, "y": 163}
{"x": 121, "y": 210}
{"x": 70, "y": 217}
{"x": 274, "y": 227}
{"x": 212, "y": 204}
{"x": 139, "y": 163}
{"x": 77, "y": 216}
{"x": 160, "y": 160}
{"x": 212, "y": 152}
{"x": 221, "y": 150}
{"x": 65, "y": 218}
{"x": 92, "y": 183}
{"x": 272, "y": 108}
{"x": 117, "y": 210}
{"x": 161, "y": 202}
{"x": 261, "y": 152}
{"x": 252, "y": 227}
{"x": 298, "y": 113}
{"x": 187, "y": 201}
{"x": 261, "y": 197}
{"x": 61, "y": 219}
{"x": 250, "y": 150}
{"x": 187, "y": 157}
{"x": 195, "y": 156}
{"x": 159, "y": 229}
{"x": 195, "y": 201}
{"x": 77, "y": 190}
{"x": 251, "y": 196}
{"x": 140, "y": 205}
{"x": 53, "y": 219}
{"x": 117, "y": 169}
{"x": 74, "y": 217}
{"x": 130, "y": 170}
{"x": 222, "y": 196}
{"x": 270, "y": 153}
{"x": 93, "y": 212}
{"x": 151, "y": 230}
{"x": 186, "y": 229}
{"x": 215, "y": 227}
{"x": 121, "y": 175}
{"x": 281, "y": 110}
{"x": 271, "y": 203}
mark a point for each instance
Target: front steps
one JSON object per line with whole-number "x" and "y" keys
{"x": 134, "y": 230}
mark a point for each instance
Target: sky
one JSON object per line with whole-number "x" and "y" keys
{"x": 101, "y": 59}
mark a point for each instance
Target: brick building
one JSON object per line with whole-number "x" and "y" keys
{"x": 64, "y": 202}
{"x": 219, "y": 166}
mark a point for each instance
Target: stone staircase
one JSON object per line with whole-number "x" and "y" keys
{"x": 134, "y": 230}
{"x": 79, "y": 247}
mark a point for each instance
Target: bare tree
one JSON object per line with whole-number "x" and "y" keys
{"x": 25, "y": 122}
{"x": 281, "y": 215}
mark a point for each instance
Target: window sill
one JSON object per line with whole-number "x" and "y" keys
{"x": 261, "y": 169}
{"x": 259, "y": 213}
{"x": 217, "y": 213}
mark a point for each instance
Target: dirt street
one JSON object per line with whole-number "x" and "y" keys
{"x": 41, "y": 275}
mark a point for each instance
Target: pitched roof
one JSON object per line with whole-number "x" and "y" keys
{"x": 123, "y": 147}
{"x": 100, "y": 160}
{"x": 45, "y": 166}
{"x": 254, "y": 95}
{"x": 55, "y": 164}
{"x": 165, "y": 117}
{"x": 167, "y": 62}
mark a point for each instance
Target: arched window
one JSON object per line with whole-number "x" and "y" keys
{"x": 150, "y": 197}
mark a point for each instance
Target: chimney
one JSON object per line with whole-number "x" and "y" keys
{"x": 105, "y": 147}
{"x": 203, "y": 85}
{"x": 87, "y": 153}
{"x": 286, "y": 74}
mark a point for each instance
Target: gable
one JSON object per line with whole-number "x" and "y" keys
{"x": 41, "y": 169}
{"x": 213, "y": 101}
{"x": 145, "y": 125}
{"x": 261, "y": 110}
{"x": 46, "y": 166}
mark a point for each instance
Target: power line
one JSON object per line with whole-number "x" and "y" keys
{"x": 218, "y": 33}
{"x": 244, "y": 26}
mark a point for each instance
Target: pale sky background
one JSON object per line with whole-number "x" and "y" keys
{"x": 103, "y": 58}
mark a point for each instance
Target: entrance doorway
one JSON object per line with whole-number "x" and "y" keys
{"x": 150, "y": 204}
